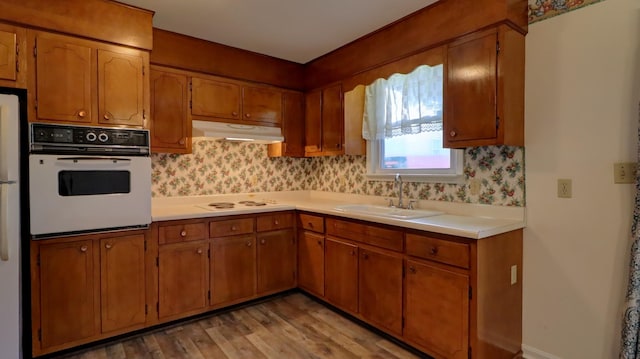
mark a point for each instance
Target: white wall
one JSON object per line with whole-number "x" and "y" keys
{"x": 582, "y": 94}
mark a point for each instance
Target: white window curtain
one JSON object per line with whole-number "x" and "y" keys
{"x": 404, "y": 104}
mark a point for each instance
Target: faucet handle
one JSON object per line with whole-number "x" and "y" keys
{"x": 411, "y": 204}
{"x": 390, "y": 204}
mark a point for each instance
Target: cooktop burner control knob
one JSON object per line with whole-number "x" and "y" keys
{"x": 91, "y": 136}
{"x": 103, "y": 137}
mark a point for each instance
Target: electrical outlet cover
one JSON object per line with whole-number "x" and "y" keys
{"x": 564, "y": 188}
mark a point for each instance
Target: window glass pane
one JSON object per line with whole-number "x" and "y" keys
{"x": 415, "y": 151}
{"x": 88, "y": 183}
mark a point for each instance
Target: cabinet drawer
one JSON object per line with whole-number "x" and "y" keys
{"x": 310, "y": 222}
{"x": 182, "y": 232}
{"x": 439, "y": 250}
{"x": 376, "y": 236}
{"x": 231, "y": 227}
{"x": 274, "y": 221}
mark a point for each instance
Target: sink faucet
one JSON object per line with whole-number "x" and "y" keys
{"x": 398, "y": 181}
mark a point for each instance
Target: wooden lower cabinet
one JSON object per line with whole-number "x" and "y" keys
{"x": 233, "y": 269}
{"x": 341, "y": 274}
{"x": 183, "y": 279}
{"x": 311, "y": 262}
{"x": 276, "y": 261}
{"x": 122, "y": 282}
{"x": 380, "y": 288}
{"x": 437, "y": 309}
{"x": 69, "y": 292}
{"x": 85, "y": 288}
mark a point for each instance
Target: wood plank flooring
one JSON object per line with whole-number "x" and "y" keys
{"x": 292, "y": 326}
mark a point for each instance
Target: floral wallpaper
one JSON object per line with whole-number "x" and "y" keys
{"x": 217, "y": 167}
{"x": 544, "y": 9}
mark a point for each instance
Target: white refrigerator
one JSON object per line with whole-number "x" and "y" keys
{"x": 10, "y": 311}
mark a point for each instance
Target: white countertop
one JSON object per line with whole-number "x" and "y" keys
{"x": 459, "y": 219}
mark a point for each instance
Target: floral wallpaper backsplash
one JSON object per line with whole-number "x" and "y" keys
{"x": 217, "y": 167}
{"x": 544, "y": 9}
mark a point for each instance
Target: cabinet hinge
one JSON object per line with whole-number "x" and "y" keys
{"x": 146, "y": 309}
{"x": 36, "y": 103}
{"x": 497, "y": 47}
{"x": 208, "y": 253}
{"x": 157, "y": 261}
{"x": 470, "y": 292}
{"x": 144, "y": 114}
{"x": 209, "y": 295}
{"x": 157, "y": 307}
{"x": 403, "y": 270}
{"x": 497, "y": 122}
{"x": 38, "y": 260}
{"x": 17, "y": 58}
{"x": 191, "y": 104}
{"x": 145, "y": 245}
{"x": 143, "y": 70}
{"x": 35, "y": 50}
{"x": 403, "y": 322}
{"x": 39, "y": 335}
{"x": 469, "y": 354}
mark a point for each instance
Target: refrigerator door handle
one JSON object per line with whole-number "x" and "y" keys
{"x": 7, "y": 182}
{"x": 4, "y": 243}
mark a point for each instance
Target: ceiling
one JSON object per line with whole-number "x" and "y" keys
{"x": 295, "y": 30}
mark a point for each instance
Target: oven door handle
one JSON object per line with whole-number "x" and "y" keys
{"x": 88, "y": 158}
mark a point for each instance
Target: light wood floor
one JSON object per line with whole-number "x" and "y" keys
{"x": 293, "y": 326}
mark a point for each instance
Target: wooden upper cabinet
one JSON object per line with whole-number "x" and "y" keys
{"x": 122, "y": 278}
{"x": 437, "y": 309}
{"x": 262, "y": 104}
{"x": 170, "y": 123}
{"x": 65, "y": 76}
{"x": 484, "y": 90}
{"x": 86, "y": 82}
{"x": 120, "y": 89}
{"x": 8, "y": 55}
{"x": 324, "y": 122}
{"x": 69, "y": 292}
{"x": 219, "y": 99}
{"x": 292, "y": 127}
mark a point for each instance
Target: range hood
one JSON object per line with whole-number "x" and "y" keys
{"x": 237, "y": 133}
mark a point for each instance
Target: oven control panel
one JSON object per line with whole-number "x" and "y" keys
{"x": 85, "y": 138}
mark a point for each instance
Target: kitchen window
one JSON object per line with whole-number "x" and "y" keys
{"x": 403, "y": 128}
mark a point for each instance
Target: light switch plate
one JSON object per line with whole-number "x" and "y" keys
{"x": 564, "y": 188}
{"x": 624, "y": 172}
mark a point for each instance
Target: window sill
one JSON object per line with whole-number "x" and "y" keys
{"x": 435, "y": 178}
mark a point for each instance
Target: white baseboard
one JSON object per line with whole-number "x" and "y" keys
{"x": 533, "y": 353}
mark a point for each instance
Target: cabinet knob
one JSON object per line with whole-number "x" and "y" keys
{"x": 276, "y": 222}
{"x": 453, "y": 134}
{"x": 234, "y": 228}
{"x": 234, "y": 113}
{"x": 248, "y": 243}
{"x": 82, "y": 113}
{"x": 320, "y": 243}
{"x": 106, "y": 116}
{"x": 83, "y": 249}
{"x": 434, "y": 250}
{"x": 262, "y": 241}
{"x": 108, "y": 246}
{"x": 183, "y": 233}
{"x": 337, "y": 145}
{"x": 181, "y": 141}
{"x": 310, "y": 225}
{"x": 353, "y": 252}
{"x": 365, "y": 256}
{"x": 412, "y": 269}
{"x": 247, "y": 115}
{"x": 199, "y": 251}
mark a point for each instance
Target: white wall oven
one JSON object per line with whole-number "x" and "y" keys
{"x": 88, "y": 179}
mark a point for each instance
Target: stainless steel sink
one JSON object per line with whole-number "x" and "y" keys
{"x": 389, "y": 212}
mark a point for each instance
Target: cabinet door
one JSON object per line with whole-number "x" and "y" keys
{"x": 120, "y": 89}
{"x": 65, "y": 74}
{"x": 276, "y": 261}
{"x": 293, "y": 124}
{"x": 311, "y": 262}
{"x": 332, "y": 120}
{"x": 437, "y": 309}
{"x": 341, "y": 274}
{"x": 380, "y": 289}
{"x": 170, "y": 120}
{"x": 217, "y": 99}
{"x": 122, "y": 282}
{"x": 8, "y": 64}
{"x": 183, "y": 275}
{"x": 69, "y": 292}
{"x": 233, "y": 269}
{"x": 471, "y": 91}
{"x": 313, "y": 123}
{"x": 262, "y": 104}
